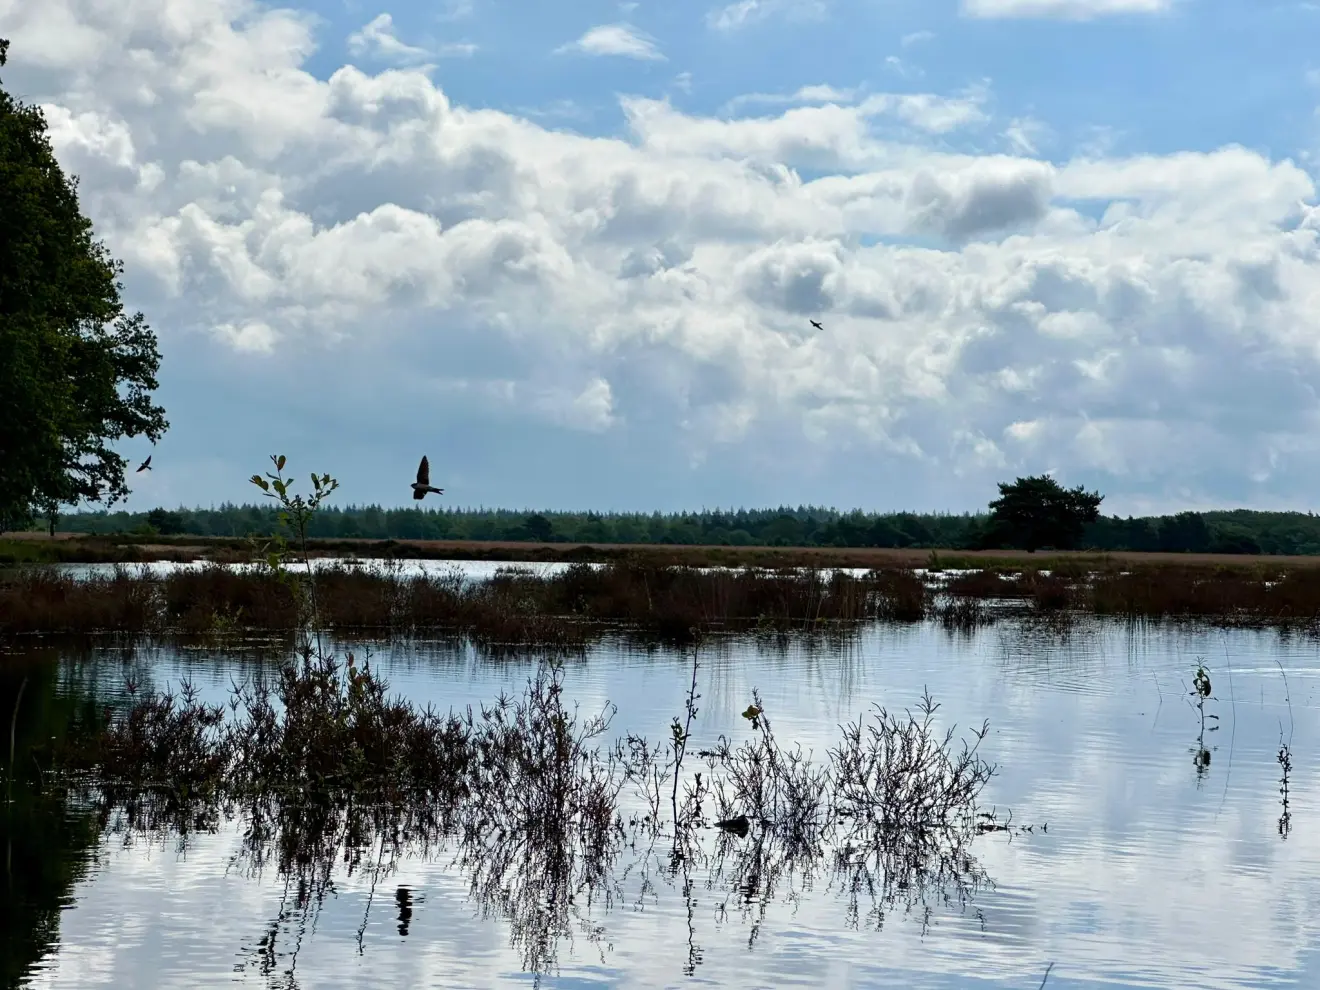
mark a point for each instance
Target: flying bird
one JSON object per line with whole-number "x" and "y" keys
{"x": 144, "y": 466}
{"x": 815, "y": 324}
{"x": 423, "y": 483}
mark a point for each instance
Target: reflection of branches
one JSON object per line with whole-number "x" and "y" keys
{"x": 327, "y": 775}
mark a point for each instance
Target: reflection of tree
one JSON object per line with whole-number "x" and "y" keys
{"x": 47, "y": 847}
{"x": 46, "y": 840}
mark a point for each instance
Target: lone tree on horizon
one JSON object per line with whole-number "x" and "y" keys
{"x": 76, "y": 372}
{"x": 1037, "y": 512}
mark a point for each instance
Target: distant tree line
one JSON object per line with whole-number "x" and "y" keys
{"x": 1238, "y": 531}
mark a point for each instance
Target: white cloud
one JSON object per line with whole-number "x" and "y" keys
{"x": 591, "y": 409}
{"x": 903, "y": 70}
{"x": 1136, "y": 318}
{"x": 928, "y": 112}
{"x": 615, "y": 39}
{"x": 377, "y": 39}
{"x": 742, "y": 13}
{"x": 255, "y": 337}
{"x": 1069, "y": 9}
{"x": 916, "y": 38}
{"x": 1025, "y": 135}
{"x": 820, "y": 93}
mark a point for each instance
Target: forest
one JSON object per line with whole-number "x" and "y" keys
{"x": 1232, "y": 531}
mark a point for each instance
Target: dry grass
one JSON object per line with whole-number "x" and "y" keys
{"x": 514, "y": 607}
{"x": 518, "y": 608}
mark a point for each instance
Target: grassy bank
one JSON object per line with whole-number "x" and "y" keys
{"x": 24, "y": 548}
{"x": 673, "y": 602}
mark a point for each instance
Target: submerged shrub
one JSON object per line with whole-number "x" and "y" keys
{"x": 321, "y": 763}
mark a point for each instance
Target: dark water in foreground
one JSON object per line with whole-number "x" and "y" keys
{"x": 1157, "y": 870}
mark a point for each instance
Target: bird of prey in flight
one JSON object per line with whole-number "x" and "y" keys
{"x": 815, "y": 324}
{"x": 144, "y": 466}
{"x": 423, "y": 483}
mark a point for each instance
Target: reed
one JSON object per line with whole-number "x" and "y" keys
{"x": 512, "y": 607}
{"x": 518, "y": 608}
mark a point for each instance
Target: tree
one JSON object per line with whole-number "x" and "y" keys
{"x": 76, "y": 372}
{"x": 539, "y": 528}
{"x": 1038, "y": 512}
{"x": 165, "y": 522}
{"x": 1187, "y": 532}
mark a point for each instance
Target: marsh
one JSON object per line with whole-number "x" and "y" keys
{"x": 1131, "y": 846}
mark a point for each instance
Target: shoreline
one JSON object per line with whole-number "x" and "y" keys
{"x": 37, "y": 548}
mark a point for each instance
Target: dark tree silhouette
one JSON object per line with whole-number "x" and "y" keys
{"x": 539, "y": 528}
{"x": 1037, "y": 512}
{"x": 76, "y": 372}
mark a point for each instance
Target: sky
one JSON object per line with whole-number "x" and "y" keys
{"x": 571, "y": 251}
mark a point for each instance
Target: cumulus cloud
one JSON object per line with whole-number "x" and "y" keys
{"x": 1127, "y": 321}
{"x": 615, "y": 39}
{"x": 1069, "y": 9}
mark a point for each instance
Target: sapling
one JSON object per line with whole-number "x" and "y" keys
{"x": 296, "y": 513}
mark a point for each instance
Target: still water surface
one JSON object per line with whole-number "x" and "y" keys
{"x": 1153, "y": 871}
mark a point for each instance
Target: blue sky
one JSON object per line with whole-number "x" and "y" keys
{"x": 570, "y": 251}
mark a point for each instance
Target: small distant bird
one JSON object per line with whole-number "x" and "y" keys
{"x": 423, "y": 483}
{"x": 815, "y": 324}
{"x": 144, "y": 466}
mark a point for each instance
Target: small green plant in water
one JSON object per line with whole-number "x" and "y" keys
{"x": 296, "y": 513}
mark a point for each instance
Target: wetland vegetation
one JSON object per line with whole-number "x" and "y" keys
{"x": 574, "y": 605}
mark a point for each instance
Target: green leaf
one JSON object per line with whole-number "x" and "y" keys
{"x": 279, "y": 462}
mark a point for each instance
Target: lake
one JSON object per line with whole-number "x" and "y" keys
{"x": 1157, "y": 855}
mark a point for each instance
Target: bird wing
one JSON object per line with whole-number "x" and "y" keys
{"x": 419, "y": 493}
{"x": 424, "y": 472}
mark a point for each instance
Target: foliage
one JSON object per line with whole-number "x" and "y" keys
{"x": 76, "y": 372}
{"x": 1037, "y": 512}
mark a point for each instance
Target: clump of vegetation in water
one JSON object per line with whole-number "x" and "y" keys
{"x": 1201, "y": 689}
{"x": 322, "y": 767}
